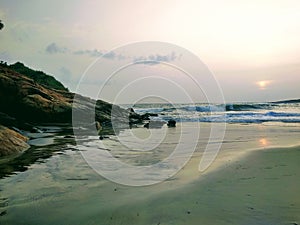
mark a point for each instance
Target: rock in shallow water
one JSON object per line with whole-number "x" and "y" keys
{"x": 11, "y": 142}
{"x": 171, "y": 123}
{"x": 154, "y": 124}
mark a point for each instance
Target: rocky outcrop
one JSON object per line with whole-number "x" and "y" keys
{"x": 11, "y": 142}
{"x": 39, "y": 77}
{"x": 25, "y": 103}
{"x": 139, "y": 118}
{"x": 24, "y": 99}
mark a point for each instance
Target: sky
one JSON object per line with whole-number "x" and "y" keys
{"x": 251, "y": 47}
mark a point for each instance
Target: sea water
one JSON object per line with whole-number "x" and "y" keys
{"x": 285, "y": 112}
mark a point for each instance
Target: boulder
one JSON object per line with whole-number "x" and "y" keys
{"x": 171, "y": 123}
{"x": 154, "y": 124}
{"x": 130, "y": 110}
{"x": 11, "y": 142}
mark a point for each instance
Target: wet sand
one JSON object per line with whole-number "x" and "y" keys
{"x": 250, "y": 182}
{"x": 262, "y": 188}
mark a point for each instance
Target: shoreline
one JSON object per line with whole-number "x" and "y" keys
{"x": 55, "y": 134}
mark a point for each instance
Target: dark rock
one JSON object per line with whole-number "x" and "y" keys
{"x": 150, "y": 114}
{"x": 3, "y": 213}
{"x": 131, "y": 110}
{"x": 154, "y": 124}
{"x": 135, "y": 118}
{"x": 13, "y": 123}
{"x": 7, "y": 120}
{"x": 171, "y": 123}
{"x": 35, "y": 130}
{"x": 68, "y": 136}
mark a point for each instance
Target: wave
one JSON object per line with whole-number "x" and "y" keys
{"x": 288, "y": 101}
{"x": 208, "y": 108}
{"x": 248, "y": 107}
{"x": 237, "y": 107}
{"x": 249, "y": 117}
{"x": 205, "y": 108}
{"x": 231, "y": 113}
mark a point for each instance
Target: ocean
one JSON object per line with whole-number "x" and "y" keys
{"x": 284, "y": 112}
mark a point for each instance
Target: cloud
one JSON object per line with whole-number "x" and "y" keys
{"x": 152, "y": 59}
{"x": 53, "y": 48}
{"x": 96, "y": 53}
{"x": 110, "y": 55}
{"x": 155, "y": 59}
{"x": 91, "y": 53}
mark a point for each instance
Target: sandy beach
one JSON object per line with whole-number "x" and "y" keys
{"x": 149, "y": 113}
{"x": 250, "y": 182}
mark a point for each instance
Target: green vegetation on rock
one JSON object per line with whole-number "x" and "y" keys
{"x": 38, "y": 76}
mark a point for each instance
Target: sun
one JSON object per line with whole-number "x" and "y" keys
{"x": 263, "y": 84}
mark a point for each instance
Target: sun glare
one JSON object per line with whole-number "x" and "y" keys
{"x": 263, "y": 84}
{"x": 263, "y": 142}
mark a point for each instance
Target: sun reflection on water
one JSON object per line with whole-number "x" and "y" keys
{"x": 264, "y": 142}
